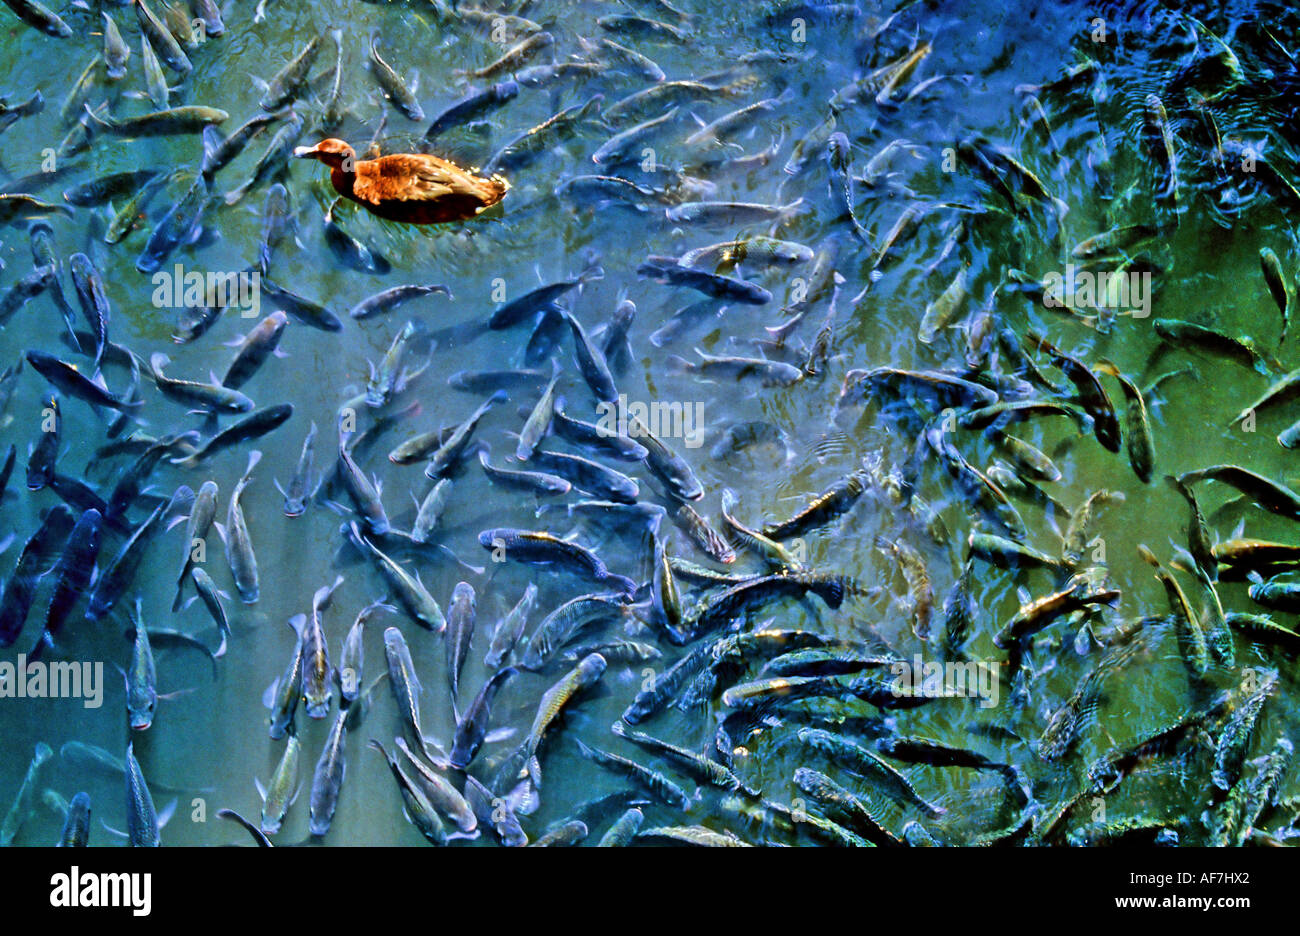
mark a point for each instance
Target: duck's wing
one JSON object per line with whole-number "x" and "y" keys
{"x": 410, "y": 177}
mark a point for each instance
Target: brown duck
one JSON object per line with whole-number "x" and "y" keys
{"x": 415, "y": 188}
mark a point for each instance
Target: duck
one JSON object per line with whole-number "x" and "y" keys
{"x": 414, "y": 188}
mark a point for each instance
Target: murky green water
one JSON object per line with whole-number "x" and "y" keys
{"x": 214, "y": 738}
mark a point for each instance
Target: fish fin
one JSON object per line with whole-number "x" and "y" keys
{"x": 165, "y": 814}
{"x": 108, "y": 828}
{"x": 212, "y": 138}
{"x": 261, "y": 790}
{"x": 176, "y": 694}
{"x": 268, "y": 696}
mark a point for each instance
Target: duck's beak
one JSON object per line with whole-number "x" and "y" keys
{"x": 301, "y": 152}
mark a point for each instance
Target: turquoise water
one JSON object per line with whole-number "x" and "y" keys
{"x": 211, "y": 742}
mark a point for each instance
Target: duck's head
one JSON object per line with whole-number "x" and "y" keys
{"x": 331, "y": 152}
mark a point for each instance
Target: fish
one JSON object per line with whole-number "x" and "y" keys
{"x": 351, "y": 252}
{"x": 315, "y": 651}
{"x": 844, "y": 807}
{"x": 1092, "y": 396}
{"x": 430, "y": 510}
{"x": 1160, "y": 143}
{"x": 253, "y": 426}
{"x": 24, "y": 291}
{"x": 22, "y": 805}
{"x": 239, "y": 544}
{"x": 514, "y": 58}
{"x": 510, "y": 629}
{"x": 536, "y": 481}
{"x": 66, "y": 378}
{"x": 1270, "y": 495}
{"x": 1077, "y": 533}
{"x": 450, "y": 451}
{"x": 45, "y": 453}
{"x": 1141, "y": 447}
{"x": 460, "y": 632}
{"x": 143, "y": 821}
{"x": 72, "y": 576}
{"x": 114, "y": 581}
{"x": 179, "y": 225}
{"x": 352, "y": 655}
{"x": 591, "y": 363}
{"x": 405, "y": 684}
{"x": 392, "y": 84}
{"x": 940, "y": 313}
{"x": 211, "y": 596}
{"x": 624, "y": 829}
{"x": 652, "y": 781}
{"x": 76, "y": 826}
{"x": 474, "y": 105}
{"x": 284, "y": 86}
{"x": 327, "y": 780}
{"x": 277, "y": 220}
{"x": 199, "y": 522}
{"x": 822, "y": 509}
{"x": 1283, "y": 390}
{"x": 589, "y": 476}
{"x": 864, "y": 763}
{"x": 21, "y": 586}
{"x": 495, "y": 810}
{"x": 210, "y": 14}
{"x": 418, "y": 809}
{"x": 471, "y": 729}
{"x": 667, "y": 270}
{"x": 361, "y": 490}
{"x": 484, "y": 382}
{"x": 565, "y": 622}
{"x": 689, "y": 762}
{"x": 272, "y": 164}
{"x": 157, "y": 89}
{"x": 102, "y": 190}
{"x": 302, "y": 485}
{"x": 391, "y": 298}
{"x": 141, "y": 692}
{"x": 282, "y": 696}
{"x": 542, "y": 548}
{"x": 411, "y": 595}
{"x": 161, "y": 40}
{"x": 1277, "y": 286}
{"x": 515, "y": 311}
{"x": 38, "y": 16}
{"x": 219, "y": 151}
{"x": 582, "y": 677}
{"x": 538, "y": 421}
{"x": 174, "y": 121}
{"x": 280, "y": 794}
{"x": 768, "y": 373}
{"x": 563, "y": 834}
